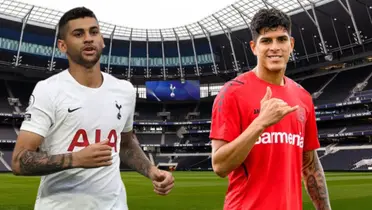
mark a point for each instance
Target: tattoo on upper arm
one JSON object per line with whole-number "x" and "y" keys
{"x": 38, "y": 163}
{"x": 132, "y": 154}
{"x": 315, "y": 182}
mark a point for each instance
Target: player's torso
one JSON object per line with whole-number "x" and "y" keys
{"x": 274, "y": 163}
{"x": 86, "y": 116}
{"x": 282, "y": 139}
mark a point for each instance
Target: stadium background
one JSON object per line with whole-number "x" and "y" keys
{"x": 332, "y": 58}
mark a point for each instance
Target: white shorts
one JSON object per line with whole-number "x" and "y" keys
{"x": 82, "y": 202}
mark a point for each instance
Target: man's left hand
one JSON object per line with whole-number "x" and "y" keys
{"x": 163, "y": 181}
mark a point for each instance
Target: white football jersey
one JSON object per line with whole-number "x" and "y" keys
{"x": 70, "y": 117}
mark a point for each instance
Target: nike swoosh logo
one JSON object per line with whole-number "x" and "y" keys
{"x": 72, "y": 110}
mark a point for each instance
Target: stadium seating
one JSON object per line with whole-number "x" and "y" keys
{"x": 4, "y": 104}
{"x": 365, "y": 94}
{"x": 314, "y": 84}
{"x": 193, "y": 163}
{"x": 345, "y": 160}
{"x": 168, "y": 127}
{"x": 21, "y": 90}
{"x": 149, "y": 138}
{"x": 157, "y": 135}
{"x": 341, "y": 86}
{"x": 5, "y": 160}
{"x": 7, "y": 132}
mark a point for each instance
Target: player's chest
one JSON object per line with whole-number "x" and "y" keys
{"x": 294, "y": 123}
{"x": 94, "y": 111}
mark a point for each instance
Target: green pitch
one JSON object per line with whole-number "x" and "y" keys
{"x": 193, "y": 191}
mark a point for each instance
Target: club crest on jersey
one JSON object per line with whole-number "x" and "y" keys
{"x": 118, "y": 107}
{"x": 301, "y": 114}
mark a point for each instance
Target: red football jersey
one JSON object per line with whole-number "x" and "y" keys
{"x": 270, "y": 177}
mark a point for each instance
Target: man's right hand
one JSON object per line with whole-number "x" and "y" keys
{"x": 273, "y": 109}
{"x": 93, "y": 156}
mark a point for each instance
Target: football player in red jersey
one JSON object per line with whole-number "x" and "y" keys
{"x": 263, "y": 131}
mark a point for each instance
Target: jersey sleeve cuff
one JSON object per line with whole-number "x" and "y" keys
{"x": 315, "y": 147}
{"x": 127, "y": 129}
{"x": 223, "y": 138}
{"x": 30, "y": 128}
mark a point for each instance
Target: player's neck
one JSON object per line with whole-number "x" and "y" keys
{"x": 87, "y": 77}
{"x": 272, "y": 77}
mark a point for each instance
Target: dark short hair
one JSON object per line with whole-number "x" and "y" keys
{"x": 75, "y": 13}
{"x": 270, "y": 19}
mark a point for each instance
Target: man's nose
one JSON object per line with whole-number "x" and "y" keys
{"x": 88, "y": 38}
{"x": 275, "y": 45}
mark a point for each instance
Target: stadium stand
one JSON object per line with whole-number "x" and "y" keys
{"x": 174, "y": 133}
{"x": 4, "y": 104}
{"x": 338, "y": 88}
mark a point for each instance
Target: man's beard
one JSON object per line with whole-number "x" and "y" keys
{"x": 79, "y": 59}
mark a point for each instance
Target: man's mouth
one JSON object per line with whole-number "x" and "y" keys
{"x": 89, "y": 50}
{"x": 274, "y": 56}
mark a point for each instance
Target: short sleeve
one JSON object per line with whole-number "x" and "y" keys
{"x": 225, "y": 121}
{"x": 129, "y": 122}
{"x": 311, "y": 141}
{"x": 39, "y": 116}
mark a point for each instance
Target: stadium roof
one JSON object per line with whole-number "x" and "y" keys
{"x": 233, "y": 17}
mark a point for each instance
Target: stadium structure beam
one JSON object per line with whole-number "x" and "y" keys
{"x": 303, "y": 44}
{"x": 147, "y": 54}
{"x": 193, "y": 48}
{"x": 316, "y": 50}
{"x": 179, "y": 53}
{"x": 242, "y": 15}
{"x": 268, "y": 3}
{"x": 163, "y": 54}
{"x": 316, "y": 23}
{"x": 325, "y": 50}
{"x": 228, "y": 35}
{"x": 265, "y": 3}
{"x": 244, "y": 46}
{"x": 207, "y": 34}
{"x": 351, "y": 42}
{"x": 24, "y": 22}
{"x": 51, "y": 65}
{"x": 369, "y": 14}
{"x": 110, "y": 49}
{"x": 130, "y": 53}
{"x": 336, "y": 35}
{"x": 349, "y": 11}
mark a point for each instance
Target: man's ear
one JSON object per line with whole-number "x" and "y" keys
{"x": 292, "y": 43}
{"x": 253, "y": 47}
{"x": 62, "y": 46}
{"x": 103, "y": 42}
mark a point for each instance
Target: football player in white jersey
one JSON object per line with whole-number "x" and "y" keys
{"x": 78, "y": 127}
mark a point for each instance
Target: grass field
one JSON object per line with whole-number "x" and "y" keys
{"x": 193, "y": 191}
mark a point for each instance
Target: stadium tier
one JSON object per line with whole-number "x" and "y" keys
{"x": 178, "y": 73}
{"x": 176, "y": 134}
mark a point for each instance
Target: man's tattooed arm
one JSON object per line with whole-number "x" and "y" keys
{"x": 314, "y": 180}
{"x": 32, "y": 163}
{"x": 132, "y": 155}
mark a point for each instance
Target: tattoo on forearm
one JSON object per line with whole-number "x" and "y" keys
{"x": 132, "y": 155}
{"x": 39, "y": 164}
{"x": 315, "y": 182}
